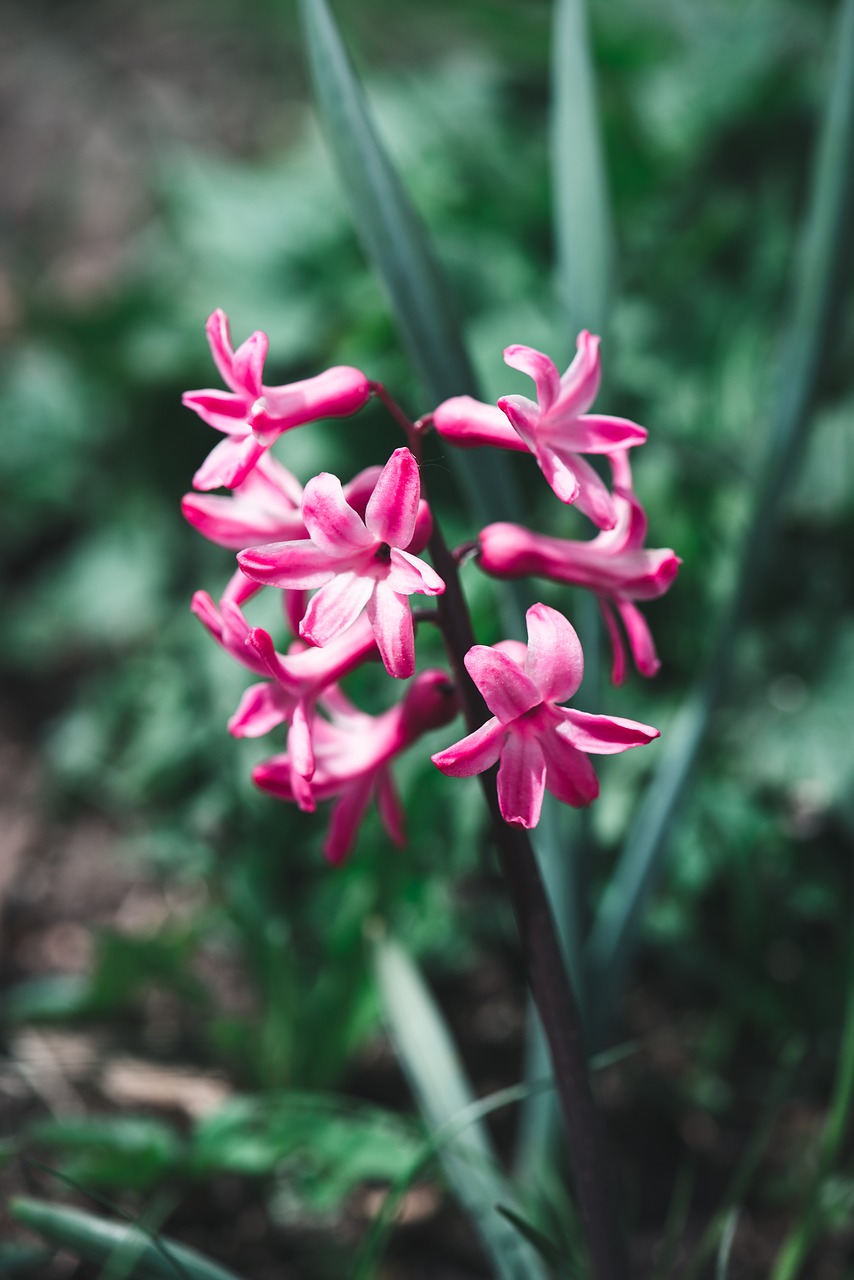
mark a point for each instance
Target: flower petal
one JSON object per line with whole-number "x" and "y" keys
{"x": 300, "y": 747}
{"x": 336, "y": 606}
{"x": 391, "y": 620}
{"x": 474, "y": 753}
{"x": 229, "y": 463}
{"x": 248, "y": 366}
{"x": 296, "y": 564}
{"x": 409, "y": 575}
{"x": 219, "y": 340}
{"x": 506, "y": 689}
{"x": 602, "y": 735}
{"x": 560, "y": 474}
{"x": 469, "y": 423}
{"x": 554, "y": 661}
{"x": 391, "y": 810}
{"x": 393, "y": 505}
{"x": 230, "y": 523}
{"x": 521, "y": 780}
{"x": 330, "y": 520}
{"x": 603, "y": 433}
{"x": 524, "y": 417}
{"x": 262, "y": 708}
{"x": 335, "y": 393}
{"x": 579, "y": 386}
{"x": 593, "y": 497}
{"x": 219, "y": 409}
{"x": 641, "y": 642}
{"x": 346, "y": 818}
{"x": 540, "y": 368}
{"x": 618, "y": 665}
{"x": 570, "y": 776}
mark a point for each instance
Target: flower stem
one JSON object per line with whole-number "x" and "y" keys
{"x": 594, "y": 1176}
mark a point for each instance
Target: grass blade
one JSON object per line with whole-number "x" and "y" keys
{"x": 817, "y": 282}
{"x": 398, "y": 246}
{"x": 99, "y": 1241}
{"x": 442, "y": 1092}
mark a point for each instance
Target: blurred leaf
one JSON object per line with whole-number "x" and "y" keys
{"x": 442, "y": 1092}
{"x": 20, "y": 1260}
{"x": 125, "y": 1151}
{"x": 98, "y": 1240}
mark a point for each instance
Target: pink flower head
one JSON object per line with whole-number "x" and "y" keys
{"x": 353, "y": 752}
{"x": 357, "y": 563}
{"x": 615, "y": 564}
{"x": 557, "y": 429}
{"x": 538, "y": 743}
{"x": 251, "y": 415}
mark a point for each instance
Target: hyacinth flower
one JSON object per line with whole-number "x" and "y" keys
{"x": 615, "y": 565}
{"x": 539, "y": 745}
{"x": 557, "y": 428}
{"x": 252, "y": 415}
{"x": 357, "y": 563}
{"x": 353, "y": 752}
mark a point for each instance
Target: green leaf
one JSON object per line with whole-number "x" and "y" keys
{"x": 442, "y": 1092}
{"x": 97, "y": 1240}
{"x": 125, "y": 1151}
{"x": 396, "y": 243}
{"x": 817, "y": 283}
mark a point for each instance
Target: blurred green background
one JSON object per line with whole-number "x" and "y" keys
{"x": 163, "y": 160}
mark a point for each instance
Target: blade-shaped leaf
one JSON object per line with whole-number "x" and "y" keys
{"x": 816, "y": 286}
{"x": 442, "y": 1092}
{"x": 98, "y": 1240}
{"x": 397, "y": 245}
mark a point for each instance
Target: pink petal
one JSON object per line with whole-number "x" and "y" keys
{"x": 602, "y": 735}
{"x": 393, "y": 505}
{"x": 228, "y": 523}
{"x": 332, "y": 394}
{"x": 524, "y": 417}
{"x": 507, "y": 691}
{"x": 336, "y": 606}
{"x": 391, "y": 810}
{"x": 423, "y": 530}
{"x": 467, "y": 423}
{"x": 560, "y": 474}
{"x": 219, "y": 409}
{"x": 618, "y": 666}
{"x": 219, "y": 340}
{"x": 262, "y": 708}
{"x": 521, "y": 780}
{"x": 297, "y": 564}
{"x": 554, "y": 661}
{"x": 593, "y": 497}
{"x": 300, "y": 748}
{"x": 392, "y": 624}
{"x": 410, "y": 576}
{"x": 248, "y": 365}
{"x": 474, "y": 753}
{"x": 579, "y": 386}
{"x": 346, "y": 818}
{"x": 540, "y": 368}
{"x": 603, "y": 433}
{"x": 570, "y": 776}
{"x": 641, "y": 642}
{"x": 261, "y": 644}
{"x": 359, "y": 489}
{"x": 229, "y": 463}
{"x": 330, "y": 520}
{"x": 239, "y": 588}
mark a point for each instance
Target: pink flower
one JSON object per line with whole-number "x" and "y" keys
{"x": 557, "y": 429}
{"x": 615, "y": 564}
{"x": 353, "y": 752}
{"x": 539, "y": 744}
{"x": 357, "y": 563}
{"x": 251, "y": 415}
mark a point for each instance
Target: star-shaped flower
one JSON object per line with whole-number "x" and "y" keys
{"x": 539, "y": 744}
{"x": 252, "y": 415}
{"x": 357, "y": 563}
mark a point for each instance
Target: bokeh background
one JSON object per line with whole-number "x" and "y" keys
{"x": 172, "y": 941}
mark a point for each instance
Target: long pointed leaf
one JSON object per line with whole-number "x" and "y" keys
{"x": 442, "y": 1091}
{"x": 614, "y": 938}
{"x": 98, "y": 1240}
{"x": 397, "y": 245}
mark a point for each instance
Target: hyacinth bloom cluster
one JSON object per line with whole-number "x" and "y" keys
{"x": 348, "y": 558}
